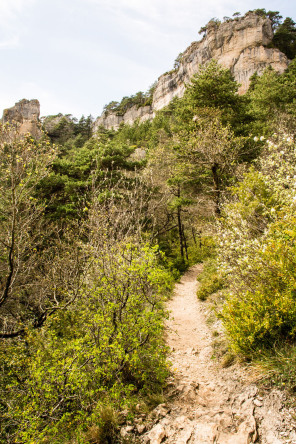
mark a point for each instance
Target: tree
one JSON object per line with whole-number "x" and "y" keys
{"x": 83, "y": 128}
{"x": 110, "y": 107}
{"x": 266, "y": 94}
{"x": 214, "y": 87}
{"x": 101, "y": 352}
{"x": 273, "y": 16}
{"x": 285, "y": 38}
{"x": 178, "y": 61}
{"x": 270, "y": 96}
{"x": 59, "y": 128}
{"x": 211, "y": 152}
{"x": 171, "y": 179}
{"x": 38, "y": 265}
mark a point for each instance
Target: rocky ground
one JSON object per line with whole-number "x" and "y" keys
{"x": 205, "y": 402}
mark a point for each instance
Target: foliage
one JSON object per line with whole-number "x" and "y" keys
{"x": 257, "y": 249}
{"x": 38, "y": 263}
{"x": 214, "y": 87}
{"x": 178, "y": 60}
{"x": 266, "y": 312}
{"x": 68, "y": 131}
{"x": 68, "y": 187}
{"x": 270, "y": 96}
{"x": 274, "y": 16}
{"x": 267, "y": 94}
{"x": 59, "y": 379}
{"x": 285, "y": 38}
{"x": 139, "y": 99}
{"x": 83, "y": 283}
{"x": 211, "y": 152}
{"x": 210, "y": 280}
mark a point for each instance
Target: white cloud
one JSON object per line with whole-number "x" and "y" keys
{"x": 9, "y": 9}
{"x": 170, "y": 12}
{"x": 164, "y": 24}
{"x": 13, "y": 41}
{"x": 51, "y": 101}
{"x": 11, "y": 14}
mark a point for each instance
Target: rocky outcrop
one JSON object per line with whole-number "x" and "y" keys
{"x": 240, "y": 45}
{"x": 112, "y": 120}
{"x": 25, "y": 114}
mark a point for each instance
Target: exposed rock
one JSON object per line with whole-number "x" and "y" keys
{"x": 112, "y": 120}
{"x": 275, "y": 422}
{"x": 161, "y": 411}
{"x": 25, "y": 114}
{"x": 139, "y": 154}
{"x": 156, "y": 435}
{"x": 258, "y": 403}
{"x": 239, "y": 44}
{"x": 125, "y": 431}
{"x": 140, "y": 428}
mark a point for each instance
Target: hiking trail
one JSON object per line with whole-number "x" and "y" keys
{"x": 208, "y": 403}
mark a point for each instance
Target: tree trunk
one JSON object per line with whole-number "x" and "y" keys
{"x": 180, "y": 232}
{"x": 180, "y": 225}
{"x": 185, "y": 242}
{"x": 217, "y": 190}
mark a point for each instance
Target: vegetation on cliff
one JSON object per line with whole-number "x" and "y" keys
{"x": 139, "y": 99}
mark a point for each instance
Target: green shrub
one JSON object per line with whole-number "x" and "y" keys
{"x": 265, "y": 312}
{"x": 210, "y": 281}
{"x": 103, "y": 350}
{"x": 203, "y": 250}
{"x": 214, "y": 284}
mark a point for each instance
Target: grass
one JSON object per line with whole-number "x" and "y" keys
{"x": 227, "y": 360}
{"x": 107, "y": 431}
{"x": 278, "y": 366}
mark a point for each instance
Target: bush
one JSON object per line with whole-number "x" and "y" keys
{"x": 103, "y": 350}
{"x": 203, "y": 250}
{"x": 265, "y": 312}
{"x": 208, "y": 287}
{"x": 210, "y": 281}
{"x": 258, "y": 251}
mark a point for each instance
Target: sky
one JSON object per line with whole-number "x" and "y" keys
{"x": 75, "y": 56}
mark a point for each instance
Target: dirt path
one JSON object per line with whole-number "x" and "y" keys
{"x": 208, "y": 403}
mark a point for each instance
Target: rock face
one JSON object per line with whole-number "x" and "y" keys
{"x": 26, "y": 114}
{"x": 111, "y": 120}
{"x": 239, "y": 45}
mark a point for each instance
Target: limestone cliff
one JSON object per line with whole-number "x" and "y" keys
{"x": 112, "y": 120}
{"x": 240, "y": 44}
{"x": 25, "y": 114}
